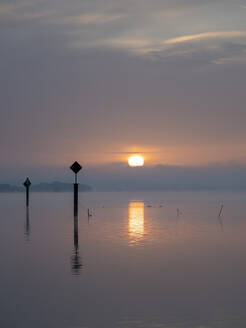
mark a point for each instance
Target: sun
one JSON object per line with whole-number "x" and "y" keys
{"x": 135, "y": 160}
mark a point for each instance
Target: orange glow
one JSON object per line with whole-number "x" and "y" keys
{"x": 136, "y": 221}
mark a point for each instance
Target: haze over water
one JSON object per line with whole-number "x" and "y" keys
{"x": 137, "y": 262}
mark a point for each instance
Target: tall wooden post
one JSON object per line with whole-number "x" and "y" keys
{"x": 75, "y": 167}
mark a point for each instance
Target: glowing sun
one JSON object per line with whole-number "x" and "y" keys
{"x": 136, "y": 160}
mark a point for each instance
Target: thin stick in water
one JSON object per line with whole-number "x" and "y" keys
{"x": 221, "y": 209}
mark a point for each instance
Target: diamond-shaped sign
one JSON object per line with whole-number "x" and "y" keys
{"x": 27, "y": 183}
{"x": 76, "y": 167}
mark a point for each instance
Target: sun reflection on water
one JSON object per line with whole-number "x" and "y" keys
{"x": 136, "y": 221}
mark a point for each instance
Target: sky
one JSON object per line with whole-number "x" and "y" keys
{"x": 98, "y": 80}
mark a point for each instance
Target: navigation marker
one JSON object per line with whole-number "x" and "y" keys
{"x": 75, "y": 167}
{"x": 27, "y": 184}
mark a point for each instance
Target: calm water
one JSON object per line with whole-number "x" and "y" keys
{"x": 136, "y": 262}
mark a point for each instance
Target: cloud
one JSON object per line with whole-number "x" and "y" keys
{"x": 22, "y": 11}
{"x": 94, "y": 18}
{"x": 213, "y": 48}
{"x": 221, "y": 47}
{"x": 198, "y": 55}
{"x": 205, "y": 36}
{"x": 6, "y": 8}
{"x": 135, "y": 46}
{"x": 228, "y": 60}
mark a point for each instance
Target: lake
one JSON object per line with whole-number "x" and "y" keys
{"x": 143, "y": 259}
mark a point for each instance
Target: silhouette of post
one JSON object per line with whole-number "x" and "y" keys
{"x": 75, "y": 167}
{"x": 27, "y": 184}
{"x": 76, "y": 260}
{"x": 76, "y": 198}
{"x": 27, "y": 225}
{"x": 75, "y": 233}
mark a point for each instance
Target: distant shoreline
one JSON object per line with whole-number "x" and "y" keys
{"x": 12, "y": 189}
{"x": 44, "y": 187}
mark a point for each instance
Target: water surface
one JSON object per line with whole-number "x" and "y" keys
{"x": 157, "y": 260}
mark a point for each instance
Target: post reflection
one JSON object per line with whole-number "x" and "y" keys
{"x": 27, "y": 226}
{"x": 136, "y": 221}
{"x": 219, "y": 218}
{"x": 76, "y": 260}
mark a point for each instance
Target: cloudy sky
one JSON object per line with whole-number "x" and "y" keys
{"x": 96, "y": 80}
